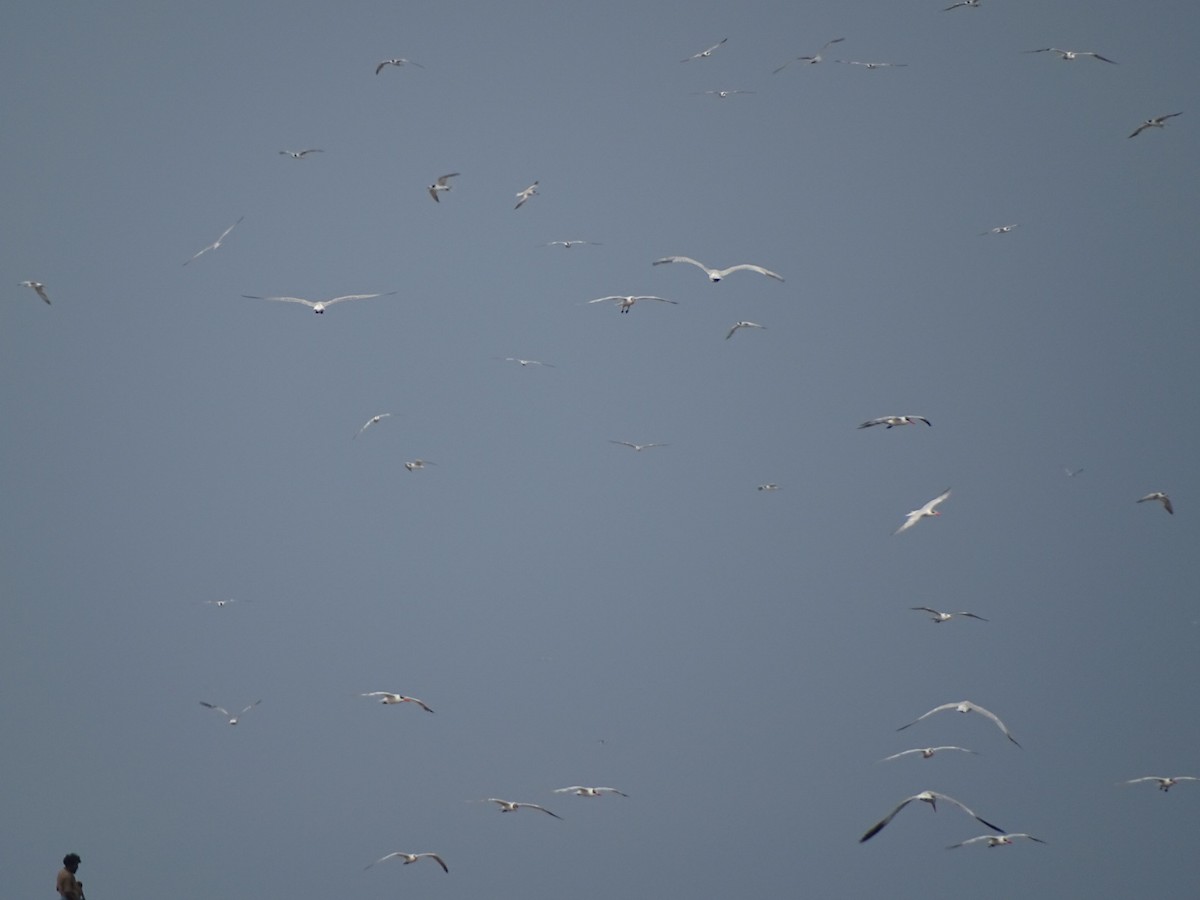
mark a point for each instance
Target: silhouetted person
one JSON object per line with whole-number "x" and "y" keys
{"x": 69, "y": 887}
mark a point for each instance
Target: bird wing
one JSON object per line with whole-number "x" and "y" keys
{"x": 660, "y": 299}
{"x": 913, "y": 518}
{"x": 936, "y": 709}
{"x": 250, "y": 707}
{"x": 624, "y": 444}
{"x": 682, "y": 259}
{"x": 308, "y": 303}
{"x": 964, "y": 808}
{"x": 995, "y": 718}
{"x": 419, "y": 703}
{"x": 442, "y": 181}
{"x": 441, "y": 862}
{"x": 902, "y": 753}
{"x": 542, "y": 808}
{"x": 222, "y": 710}
{"x": 40, "y": 290}
{"x": 379, "y": 694}
{"x": 982, "y": 837}
{"x": 870, "y": 422}
{"x": 932, "y": 504}
{"x": 971, "y": 615}
{"x": 1102, "y": 59}
{"x": 602, "y": 299}
{"x": 567, "y": 790}
{"x": 882, "y": 823}
{"x": 732, "y": 330}
{"x": 385, "y": 859}
{"x": 379, "y": 68}
{"x": 355, "y": 297}
{"x": 926, "y": 609}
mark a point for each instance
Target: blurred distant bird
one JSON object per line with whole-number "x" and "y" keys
{"x": 581, "y": 791}
{"x": 398, "y": 61}
{"x": 769, "y": 486}
{"x": 233, "y": 719}
{"x": 721, "y": 95}
{"x": 626, "y": 303}
{"x": 569, "y": 244}
{"x": 527, "y": 362}
{"x": 1071, "y": 473}
{"x": 999, "y": 229}
{"x": 1156, "y": 122}
{"x": 217, "y": 243}
{"x": 996, "y": 840}
{"x": 1161, "y": 498}
{"x": 811, "y": 60}
{"x": 441, "y": 185}
{"x": 222, "y": 602}
{"x": 38, "y": 288}
{"x": 374, "y": 420}
{"x": 413, "y": 464}
{"x": 319, "y": 306}
{"x": 930, "y": 797}
{"x": 929, "y": 509}
{"x": 524, "y": 195}
{"x": 1164, "y": 784}
{"x": 389, "y": 699}
{"x": 298, "y": 154}
{"x": 705, "y": 54}
{"x": 1069, "y": 55}
{"x": 411, "y": 858}
{"x": 972, "y": 3}
{"x": 893, "y": 421}
{"x": 964, "y": 706}
{"x": 945, "y": 616}
{"x": 638, "y": 447}
{"x": 510, "y": 806}
{"x": 926, "y": 752}
{"x": 872, "y": 65}
{"x": 738, "y": 325}
{"x": 715, "y": 275}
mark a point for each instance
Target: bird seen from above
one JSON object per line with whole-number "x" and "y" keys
{"x": 927, "y": 511}
{"x": 524, "y": 195}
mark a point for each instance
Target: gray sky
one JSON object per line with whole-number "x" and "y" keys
{"x": 577, "y": 613}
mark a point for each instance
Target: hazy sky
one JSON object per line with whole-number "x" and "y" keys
{"x": 576, "y": 612}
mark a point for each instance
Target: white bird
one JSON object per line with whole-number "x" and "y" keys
{"x": 374, "y": 420}
{"x": 1069, "y": 55}
{"x": 1161, "y": 498}
{"x": 926, "y": 752}
{"x": 872, "y": 65}
{"x": 930, "y": 797}
{"x": 389, "y": 699}
{"x": 1164, "y": 784}
{"x": 945, "y": 616}
{"x": 996, "y": 840}
{"x": 527, "y": 362}
{"x": 413, "y": 464}
{"x": 626, "y": 303}
{"x": 410, "y": 858}
{"x": 964, "y": 706}
{"x": 38, "y": 288}
{"x": 222, "y": 602}
{"x": 398, "y": 62}
{"x": 525, "y": 194}
{"x": 929, "y": 509}
{"x": 1156, "y": 122}
{"x": 217, "y": 243}
{"x": 569, "y": 244}
{"x": 580, "y": 790}
{"x": 1071, "y": 473}
{"x": 811, "y": 60}
{"x": 638, "y": 447}
{"x": 319, "y": 306}
{"x": 510, "y": 806}
{"x": 893, "y": 421}
{"x": 233, "y": 719}
{"x": 441, "y": 185}
{"x": 972, "y": 3}
{"x": 769, "y": 486}
{"x": 721, "y": 95}
{"x": 737, "y": 325}
{"x": 999, "y": 229}
{"x": 705, "y": 54}
{"x": 715, "y": 275}
{"x": 299, "y": 154}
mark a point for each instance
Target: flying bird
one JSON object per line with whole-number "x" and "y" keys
{"x": 569, "y": 244}
{"x": 811, "y": 60}
{"x": 510, "y": 806}
{"x": 582, "y": 791}
{"x": 1164, "y": 784}
{"x": 233, "y": 719}
{"x": 1069, "y": 55}
{"x": 374, "y": 420}
{"x": 441, "y": 185}
{"x": 721, "y": 95}
{"x": 996, "y": 840}
{"x": 769, "y": 486}
{"x": 929, "y": 509}
{"x": 222, "y": 602}
{"x": 638, "y": 447}
{"x": 1156, "y": 122}
{"x": 410, "y": 858}
{"x": 388, "y": 698}
{"x": 972, "y": 3}
{"x": 523, "y": 196}
{"x": 527, "y": 362}
{"x": 1161, "y": 498}
{"x": 626, "y": 303}
{"x": 217, "y": 243}
{"x": 1071, "y": 473}
{"x": 398, "y": 62}
{"x": 705, "y": 54}
{"x": 715, "y": 275}
{"x": 930, "y": 797}
{"x": 319, "y": 306}
{"x": 299, "y": 154}
{"x": 926, "y": 752}
{"x": 999, "y": 229}
{"x": 893, "y": 421}
{"x": 737, "y": 325}
{"x": 413, "y": 464}
{"x": 945, "y": 616}
{"x": 872, "y": 65}
{"x": 964, "y": 706}
{"x": 38, "y": 288}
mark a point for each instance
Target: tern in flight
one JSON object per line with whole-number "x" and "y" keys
{"x": 926, "y": 752}
{"x": 974, "y": 4}
{"x": 930, "y": 797}
{"x": 388, "y": 698}
{"x": 217, "y": 243}
{"x": 319, "y": 306}
{"x": 233, "y": 719}
{"x": 398, "y": 62}
{"x": 1161, "y": 498}
{"x": 223, "y": 601}
{"x": 737, "y": 325}
{"x": 721, "y": 95}
{"x": 528, "y": 362}
{"x": 1164, "y": 784}
{"x": 580, "y": 790}
{"x": 38, "y": 288}
{"x": 811, "y": 60}
{"x": 945, "y": 616}
{"x": 705, "y": 54}
{"x": 441, "y": 185}
{"x": 893, "y": 421}
{"x": 626, "y": 303}
{"x": 769, "y": 486}
{"x": 1156, "y": 122}
{"x": 374, "y": 420}
{"x": 1069, "y": 55}
{"x": 964, "y": 706}
{"x": 715, "y": 275}
{"x": 413, "y": 464}
{"x": 638, "y": 447}
{"x": 523, "y": 196}
{"x": 410, "y": 858}
{"x": 999, "y": 229}
{"x": 1071, "y": 473}
{"x": 872, "y": 65}
{"x": 996, "y": 840}
{"x": 569, "y": 244}
{"x": 299, "y": 154}
{"x": 929, "y": 509}
{"x": 510, "y": 806}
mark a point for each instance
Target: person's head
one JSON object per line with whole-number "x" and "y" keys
{"x": 71, "y": 862}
